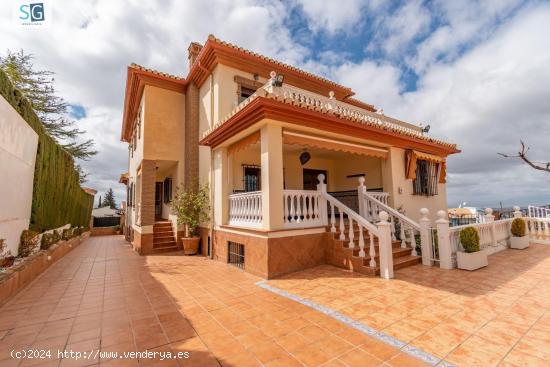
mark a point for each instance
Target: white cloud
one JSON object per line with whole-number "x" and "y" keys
{"x": 333, "y": 16}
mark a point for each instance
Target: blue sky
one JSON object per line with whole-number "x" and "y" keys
{"x": 477, "y": 71}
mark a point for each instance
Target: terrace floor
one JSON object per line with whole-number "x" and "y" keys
{"x": 499, "y": 315}
{"x": 102, "y": 296}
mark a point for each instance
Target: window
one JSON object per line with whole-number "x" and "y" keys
{"x": 245, "y": 93}
{"x": 235, "y": 254}
{"x": 167, "y": 189}
{"x": 427, "y": 174}
{"x": 246, "y": 87}
{"x": 252, "y": 178}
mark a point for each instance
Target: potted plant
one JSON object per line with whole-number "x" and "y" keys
{"x": 191, "y": 207}
{"x": 519, "y": 239}
{"x": 117, "y": 229}
{"x": 472, "y": 257}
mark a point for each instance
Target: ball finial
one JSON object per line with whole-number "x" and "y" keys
{"x": 321, "y": 178}
{"x": 362, "y": 180}
{"x": 331, "y": 94}
{"x": 383, "y": 216}
{"x": 516, "y": 208}
{"x": 488, "y": 211}
{"x": 424, "y": 212}
{"x": 273, "y": 74}
{"x": 442, "y": 214}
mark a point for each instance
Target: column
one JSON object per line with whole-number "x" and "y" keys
{"x": 221, "y": 186}
{"x": 425, "y": 237}
{"x": 272, "y": 176}
{"x": 147, "y": 192}
{"x": 444, "y": 241}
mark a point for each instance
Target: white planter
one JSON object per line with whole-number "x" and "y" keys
{"x": 472, "y": 260}
{"x": 519, "y": 243}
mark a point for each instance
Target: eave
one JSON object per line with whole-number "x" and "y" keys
{"x": 265, "y": 108}
{"x": 136, "y": 80}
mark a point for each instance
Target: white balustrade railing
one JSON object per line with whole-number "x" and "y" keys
{"x": 302, "y": 208}
{"x": 245, "y": 209}
{"x": 538, "y": 212}
{"x": 380, "y": 196}
{"x": 538, "y": 229}
{"x": 369, "y": 207}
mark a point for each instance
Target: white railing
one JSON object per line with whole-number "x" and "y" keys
{"x": 538, "y": 229}
{"x": 245, "y": 209}
{"x": 370, "y": 206}
{"x": 302, "y": 208}
{"x": 380, "y": 196}
{"x": 538, "y": 212}
{"x": 493, "y": 236}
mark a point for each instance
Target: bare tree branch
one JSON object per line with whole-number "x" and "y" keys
{"x": 522, "y": 154}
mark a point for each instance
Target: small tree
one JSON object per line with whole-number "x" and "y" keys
{"x": 99, "y": 204}
{"x": 192, "y": 208}
{"x": 109, "y": 199}
{"x": 469, "y": 238}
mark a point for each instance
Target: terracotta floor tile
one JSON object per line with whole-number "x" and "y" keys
{"x": 379, "y": 349}
{"x": 360, "y": 358}
{"x": 267, "y": 351}
{"x": 311, "y": 355}
{"x": 405, "y": 360}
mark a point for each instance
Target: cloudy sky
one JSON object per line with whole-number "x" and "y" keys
{"x": 477, "y": 71}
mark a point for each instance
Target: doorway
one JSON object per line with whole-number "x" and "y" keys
{"x": 158, "y": 199}
{"x": 310, "y": 178}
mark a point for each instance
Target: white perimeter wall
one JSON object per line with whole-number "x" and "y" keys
{"x": 18, "y": 143}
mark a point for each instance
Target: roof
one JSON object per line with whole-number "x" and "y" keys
{"x": 104, "y": 211}
{"x": 123, "y": 178}
{"x": 89, "y": 191}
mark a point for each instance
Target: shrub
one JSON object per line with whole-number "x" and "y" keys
{"x": 518, "y": 227}
{"x": 469, "y": 238}
{"x": 192, "y": 208}
{"x": 47, "y": 241}
{"x": 29, "y": 243}
{"x": 67, "y": 234}
{"x": 56, "y": 237}
{"x": 117, "y": 227}
{"x": 77, "y": 231}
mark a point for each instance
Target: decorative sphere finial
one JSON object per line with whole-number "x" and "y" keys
{"x": 321, "y": 178}
{"x": 383, "y": 216}
{"x": 273, "y": 74}
{"x": 516, "y": 208}
{"x": 361, "y": 180}
{"x": 488, "y": 211}
{"x": 442, "y": 214}
{"x": 424, "y": 212}
{"x": 331, "y": 94}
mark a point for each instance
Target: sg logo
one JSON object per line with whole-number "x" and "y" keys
{"x": 34, "y": 12}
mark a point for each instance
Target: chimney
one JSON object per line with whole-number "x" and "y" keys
{"x": 193, "y": 52}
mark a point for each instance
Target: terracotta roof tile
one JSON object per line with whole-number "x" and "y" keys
{"x": 156, "y": 72}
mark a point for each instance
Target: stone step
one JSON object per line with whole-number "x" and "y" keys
{"x": 396, "y": 253}
{"x": 162, "y": 242}
{"x": 158, "y": 250}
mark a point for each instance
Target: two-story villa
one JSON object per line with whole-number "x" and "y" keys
{"x": 297, "y": 168}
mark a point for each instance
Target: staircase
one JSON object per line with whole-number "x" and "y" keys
{"x": 163, "y": 237}
{"x": 342, "y": 256}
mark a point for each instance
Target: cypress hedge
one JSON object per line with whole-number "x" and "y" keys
{"x": 57, "y": 198}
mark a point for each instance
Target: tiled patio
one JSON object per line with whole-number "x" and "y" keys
{"x": 499, "y": 315}
{"x": 102, "y": 295}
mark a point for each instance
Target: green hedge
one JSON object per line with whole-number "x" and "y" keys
{"x": 57, "y": 198}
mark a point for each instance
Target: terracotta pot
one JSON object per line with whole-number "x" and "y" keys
{"x": 7, "y": 262}
{"x": 190, "y": 245}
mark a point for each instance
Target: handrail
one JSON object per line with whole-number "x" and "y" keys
{"x": 391, "y": 211}
{"x": 351, "y": 214}
{"x": 538, "y": 211}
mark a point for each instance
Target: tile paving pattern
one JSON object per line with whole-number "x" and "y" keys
{"x": 103, "y": 295}
{"x": 496, "y": 316}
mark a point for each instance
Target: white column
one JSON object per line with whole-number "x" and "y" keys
{"x": 490, "y": 218}
{"x": 272, "y": 176}
{"x": 425, "y": 237}
{"x": 323, "y": 203}
{"x": 361, "y": 190}
{"x": 385, "y": 246}
{"x": 444, "y": 241}
{"x": 221, "y": 187}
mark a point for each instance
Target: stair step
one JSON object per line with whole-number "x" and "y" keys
{"x": 163, "y": 235}
{"x": 396, "y": 253}
{"x": 157, "y": 250}
{"x": 406, "y": 261}
{"x": 163, "y": 241}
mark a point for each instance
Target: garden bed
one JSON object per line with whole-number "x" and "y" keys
{"x": 25, "y": 270}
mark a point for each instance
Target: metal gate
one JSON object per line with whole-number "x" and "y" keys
{"x": 235, "y": 254}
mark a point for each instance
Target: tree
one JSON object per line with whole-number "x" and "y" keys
{"x": 82, "y": 176}
{"x": 522, "y": 154}
{"x": 53, "y": 111}
{"x": 109, "y": 199}
{"x": 100, "y": 204}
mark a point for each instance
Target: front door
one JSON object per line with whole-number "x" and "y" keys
{"x": 158, "y": 199}
{"x": 310, "y": 178}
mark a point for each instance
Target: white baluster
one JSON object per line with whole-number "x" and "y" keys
{"x": 361, "y": 242}
{"x": 372, "y": 251}
{"x": 392, "y": 222}
{"x": 285, "y": 208}
{"x": 310, "y": 207}
{"x": 342, "y": 227}
{"x": 292, "y": 210}
{"x": 351, "y": 235}
{"x": 402, "y": 234}
{"x": 332, "y": 219}
{"x": 413, "y": 242}
{"x": 299, "y": 207}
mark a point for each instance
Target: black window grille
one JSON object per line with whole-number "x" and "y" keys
{"x": 235, "y": 254}
{"x": 426, "y": 179}
{"x": 245, "y": 93}
{"x": 167, "y": 189}
{"x": 252, "y": 178}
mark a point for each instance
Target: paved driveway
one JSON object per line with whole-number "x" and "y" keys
{"x": 499, "y": 315}
{"x": 104, "y": 297}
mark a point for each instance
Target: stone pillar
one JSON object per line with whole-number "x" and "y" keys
{"x": 426, "y": 237}
{"x": 221, "y": 186}
{"x": 323, "y": 204}
{"x": 444, "y": 241}
{"x": 490, "y": 218}
{"x": 385, "y": 246}
{"x": 147, "y": 192}
{"x": 361, "y": 191}
{"x": 272, "y": 176}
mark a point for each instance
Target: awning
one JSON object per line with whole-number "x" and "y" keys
{"x": 410, "y": 164}
{"x": 290, "y": 137}
{"x": 244, "y": 143}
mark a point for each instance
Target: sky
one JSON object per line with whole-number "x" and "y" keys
{"x": 478, "y": 72}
